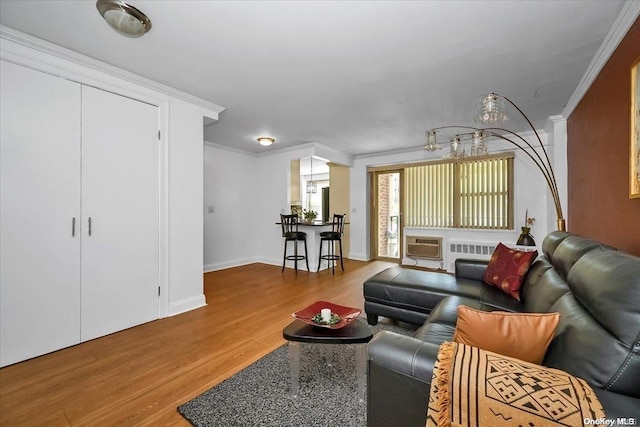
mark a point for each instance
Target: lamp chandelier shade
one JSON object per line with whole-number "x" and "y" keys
{"x": 490, "y": 110}
{"x": 266, "y": 141}
{"x": 123, "y": 17}
{"x": 312, "y": 187}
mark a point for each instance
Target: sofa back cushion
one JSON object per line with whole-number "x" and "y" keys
{"x": 569, "y": 251}
{"x": 542, "y": 287}
{"x": 546, "y": 280}
{"x": 551, "y": 242}
{"x": 598, "y": 338}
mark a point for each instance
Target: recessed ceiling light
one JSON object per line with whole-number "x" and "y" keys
{"x": 266, "y": 141}
{"x": 124, "y": 18}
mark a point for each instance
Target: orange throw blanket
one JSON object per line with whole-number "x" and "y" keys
{"x": 473, "y": 387}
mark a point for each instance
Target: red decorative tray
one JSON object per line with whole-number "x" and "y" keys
{"x": 347, "y": 314}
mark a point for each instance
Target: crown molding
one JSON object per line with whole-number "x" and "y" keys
{"x": 628, "y": 15}
{"x": 306, "y": 149}
{"x": 228, "y": 148}
{"x": 59, "y": 52}
{"x": 417, "y": 148}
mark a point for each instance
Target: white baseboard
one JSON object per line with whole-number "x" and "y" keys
{"x": 229, "y": 264}
{"x": 186, "y": 305}
{"x": 271, "y": 261}
{"x": 359, "y": 257}
{"x": 264, "y": 260}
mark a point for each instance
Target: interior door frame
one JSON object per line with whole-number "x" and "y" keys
{"x": 374, "y": 173}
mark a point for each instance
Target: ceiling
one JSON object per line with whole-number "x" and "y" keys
{"x": 358, "y": 76}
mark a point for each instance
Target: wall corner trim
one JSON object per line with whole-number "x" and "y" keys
{"x": 185, "y": 305}
{"x": 628, "y": 15}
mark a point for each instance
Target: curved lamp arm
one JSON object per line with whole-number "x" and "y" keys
{"x": 561, "y": 223}
{"x": 542, "y": 162}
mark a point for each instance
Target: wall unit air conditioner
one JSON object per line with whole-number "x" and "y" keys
{"x": 424, "y": 247}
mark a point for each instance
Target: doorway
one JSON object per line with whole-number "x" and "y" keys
{"x": 386, "y": 230}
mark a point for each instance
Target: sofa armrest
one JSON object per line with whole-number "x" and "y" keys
{"x": 470, "y": 268}
{"x": 400, "y": 370}
{"x": 403, "y": 354}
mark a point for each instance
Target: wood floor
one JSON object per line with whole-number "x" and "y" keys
{"x": 139, "y": 376}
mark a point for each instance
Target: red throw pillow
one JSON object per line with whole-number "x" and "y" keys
{"x": 507, "y": 268}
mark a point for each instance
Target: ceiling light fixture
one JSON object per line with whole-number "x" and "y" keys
{"x": 124, "y": 18}
{"x": 491, "y": 110}
{"x": 312, "y": 188}
{"x": 266, "y": 141}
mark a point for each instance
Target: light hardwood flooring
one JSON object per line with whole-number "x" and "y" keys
{"x": 139, "y": 376}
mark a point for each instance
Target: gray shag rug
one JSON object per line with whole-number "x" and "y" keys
{"x": 260, "y": 394}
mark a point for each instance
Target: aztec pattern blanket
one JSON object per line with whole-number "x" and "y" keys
{"x": 473, "y": 387}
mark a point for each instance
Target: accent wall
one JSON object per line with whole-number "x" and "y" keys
{"x": 598, "y": 133}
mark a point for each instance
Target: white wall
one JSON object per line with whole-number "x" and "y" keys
{"x": 185, "y": 207}
{"x": 556, "y": 129}
{"x": 230, "y": 188}
{"x": 248, "y": 193}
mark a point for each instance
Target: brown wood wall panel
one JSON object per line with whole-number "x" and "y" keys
{"x": 598, "y": 132}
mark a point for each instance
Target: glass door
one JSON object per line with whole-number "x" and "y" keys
{"x": 387, "y": 215}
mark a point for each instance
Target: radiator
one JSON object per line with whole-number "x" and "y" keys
{"x": 459, "y": 248}
{"x": 424, "y": 247}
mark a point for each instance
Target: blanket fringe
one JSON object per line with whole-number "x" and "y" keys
{"x": 441, "y": 377}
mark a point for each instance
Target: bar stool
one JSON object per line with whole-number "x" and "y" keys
{"x": 291, "y": 234}
{"x": 335, "y": 235}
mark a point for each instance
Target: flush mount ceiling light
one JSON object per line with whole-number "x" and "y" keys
{"x": 266, "y": 141}
{"x": 124, "y": 18}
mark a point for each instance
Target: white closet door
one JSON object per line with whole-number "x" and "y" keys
{"x": 120, "y": 200}
{"x": 39, "y": 197}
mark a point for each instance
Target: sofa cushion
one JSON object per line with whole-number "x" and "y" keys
{"x": 524, "y": 336}
{"x": 447, "y": 310}
{"x": 618, "y": 405}
{"x": 607, "y": 283}
{"x": 569, "y": 251}
{"x": 598, "y": 337}
{"x": 543, "y": 287}
{"x": 585, "y": 349}
{"x": 507, "y": 269}
{"x": 442, "y": 321}
{"x": 421, "y": 291}
{"x": 435, "y": 333}
{"x": 408, "y": 289}
{"x": 552, "y": 241}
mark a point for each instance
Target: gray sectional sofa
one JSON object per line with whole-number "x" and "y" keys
{"x": 595, "y": 288}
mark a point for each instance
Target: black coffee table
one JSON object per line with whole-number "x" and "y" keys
{"x": 356, "y": 333}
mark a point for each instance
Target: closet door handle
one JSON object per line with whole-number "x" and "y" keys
{"x": 89, "y": 226}
{"x": 73, "y": 227}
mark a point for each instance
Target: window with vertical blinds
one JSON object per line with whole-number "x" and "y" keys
{"x": 429, "y": 195}
{"x": 464, "y": 194}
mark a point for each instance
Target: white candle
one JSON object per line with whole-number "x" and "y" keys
{"x": 326, "y": 314}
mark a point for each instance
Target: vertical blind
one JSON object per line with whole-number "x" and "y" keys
{"x": 429, "y": 195}
{"x": 462, "y": 194}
